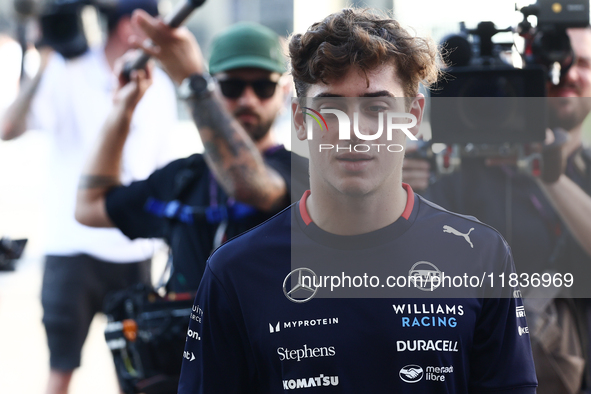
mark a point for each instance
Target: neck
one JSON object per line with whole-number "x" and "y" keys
{"x": 267, "y": 142}
{"x": 343, "y": 214}
{"x": 113, "y": 50}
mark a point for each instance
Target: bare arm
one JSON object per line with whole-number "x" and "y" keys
{"x": 574, "y": 207}
{"x": 234, "y": 159}
{"x": 14, "y": 121}
{"x": 103, "y": 168}
{"x": 230, "y": 152}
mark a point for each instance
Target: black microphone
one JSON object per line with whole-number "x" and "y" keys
{"x": 174, "y": 19}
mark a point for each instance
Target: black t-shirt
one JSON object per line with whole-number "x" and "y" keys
{"x": 139, "y": 210}
{"x": 515, "y": 205}
{"x": 249, "y": 333}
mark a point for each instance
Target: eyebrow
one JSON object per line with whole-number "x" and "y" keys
{"x": 381, "y": 93}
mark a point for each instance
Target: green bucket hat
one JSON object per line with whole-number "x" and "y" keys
{"x": 247, "y": 44}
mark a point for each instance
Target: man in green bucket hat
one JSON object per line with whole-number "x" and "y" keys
{"x": 244, "y": 176}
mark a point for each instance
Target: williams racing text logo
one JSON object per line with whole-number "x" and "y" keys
{"x": 428, "y": 315}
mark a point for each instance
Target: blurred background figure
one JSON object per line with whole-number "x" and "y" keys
{"x": 196, "y": 203}
{"x": 69, "y": 99}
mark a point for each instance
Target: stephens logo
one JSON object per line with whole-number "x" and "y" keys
{"x": 305, "y": 352}
{"x": 411, "y": 373}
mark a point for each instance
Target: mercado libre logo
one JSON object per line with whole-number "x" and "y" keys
{"x": 315, "y": 118}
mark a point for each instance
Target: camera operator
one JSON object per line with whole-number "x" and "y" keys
{"x": 242, "y": 179}
{"x": 547, "y": 224}
{"x": 69, "y": 99}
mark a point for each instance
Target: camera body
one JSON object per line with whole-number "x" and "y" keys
{"x": 62, "y": 27}
{"x": 485, "y": 107}
{"x": 61, "y": 22}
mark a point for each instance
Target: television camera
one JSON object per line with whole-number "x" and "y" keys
{"x": 483, "y": 106}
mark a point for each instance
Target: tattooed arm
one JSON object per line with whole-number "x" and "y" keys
{"x": 104, "y": 165}
{"x": 230, "y": 153}
{"x": 234, "y": 159}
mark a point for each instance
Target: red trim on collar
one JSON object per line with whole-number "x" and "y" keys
{"x": 410, "y": 202}
{"x": 303, "y": 211}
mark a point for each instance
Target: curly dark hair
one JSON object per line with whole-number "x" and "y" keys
{"x": 367, "y": 40}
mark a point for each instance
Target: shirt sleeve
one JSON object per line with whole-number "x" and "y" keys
{"x": 215, "y": 357}
{"x": 501, "y": 359}
{"x": 50, "y": 94}
{"x": 446, "y": 192}
{"x": 126, "y": 205}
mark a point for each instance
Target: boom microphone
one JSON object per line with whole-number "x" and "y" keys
{"x": 174, "y": 19}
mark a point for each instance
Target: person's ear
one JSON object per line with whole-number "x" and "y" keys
{"x": 417, "y": 108}
{"x": 298, "y": 120}
{"x": 287, "y": 85}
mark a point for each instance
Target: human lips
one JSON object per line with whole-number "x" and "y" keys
{"x": 247, "y": 116}
{"x": 354, "y": 162}
{"x": 350, "y": 156}
{"x": 565, "y": 91}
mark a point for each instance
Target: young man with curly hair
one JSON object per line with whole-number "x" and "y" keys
{"x": 261, "y": 326}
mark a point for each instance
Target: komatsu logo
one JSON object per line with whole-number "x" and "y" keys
{"x": 304, "y": 383}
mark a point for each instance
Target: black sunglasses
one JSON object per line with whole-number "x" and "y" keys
{"x": 233, "y": 87}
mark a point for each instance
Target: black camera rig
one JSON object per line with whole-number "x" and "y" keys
{"x": 10, "y": 251}
{"x": 484, "y": 106}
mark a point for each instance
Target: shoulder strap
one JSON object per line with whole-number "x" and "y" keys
{"x": 183, "y": 179}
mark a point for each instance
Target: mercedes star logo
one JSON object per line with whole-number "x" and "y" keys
{"x": 300, "y": 286}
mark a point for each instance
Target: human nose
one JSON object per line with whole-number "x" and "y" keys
{"x": 248, "y": 97}
{"x": 572, "y": 75}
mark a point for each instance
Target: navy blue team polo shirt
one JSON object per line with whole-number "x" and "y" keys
{"x": 248, "y": 335}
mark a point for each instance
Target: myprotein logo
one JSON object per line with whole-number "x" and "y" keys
{"x": 273, "y": 328}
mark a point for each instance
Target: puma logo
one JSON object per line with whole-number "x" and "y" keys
{"x": 451, "y": 230}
